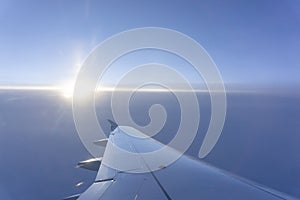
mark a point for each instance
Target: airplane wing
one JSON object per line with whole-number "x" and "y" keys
{"x": 186, "y": 178}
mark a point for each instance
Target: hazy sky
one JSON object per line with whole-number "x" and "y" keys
{"x": 44, "y": 42}
{"x": 253, "y": 42}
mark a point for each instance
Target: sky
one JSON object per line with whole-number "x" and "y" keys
{"x": 251, "y": 42}
{"x": 254, "y": 44}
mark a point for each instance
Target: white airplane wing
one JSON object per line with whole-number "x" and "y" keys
{"x": 186, "y": 178}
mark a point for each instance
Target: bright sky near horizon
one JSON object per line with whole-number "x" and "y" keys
{"x": 253, "y": 42}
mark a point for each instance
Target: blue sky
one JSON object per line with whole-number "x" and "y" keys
{"x": 252, "y": 42}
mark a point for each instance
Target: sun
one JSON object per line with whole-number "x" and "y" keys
{"x": 67, "y": 90}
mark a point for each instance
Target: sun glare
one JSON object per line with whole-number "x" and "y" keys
{"x": 67, "y": 90}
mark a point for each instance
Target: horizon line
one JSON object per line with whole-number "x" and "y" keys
{"x": 111, "y": 89}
